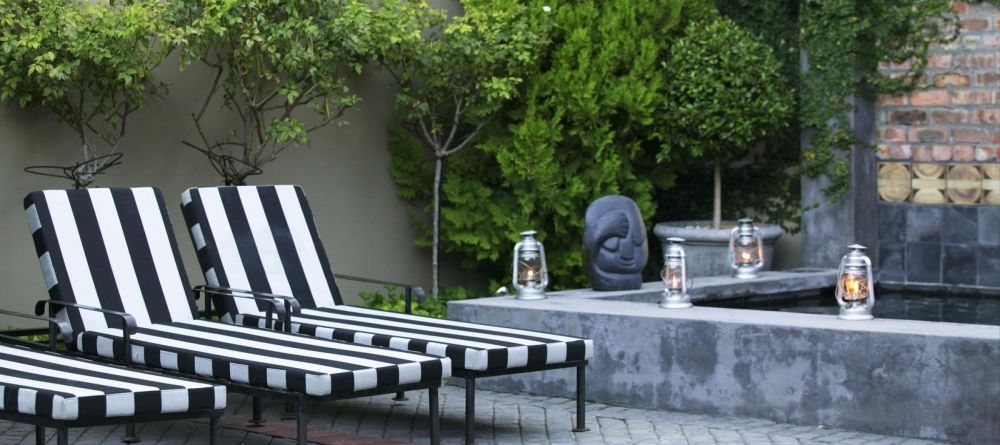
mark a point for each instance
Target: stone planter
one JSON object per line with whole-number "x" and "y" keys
{"x": 707, "y": 249}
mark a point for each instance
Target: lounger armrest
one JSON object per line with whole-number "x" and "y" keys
{"x": 57, "y": 327}
{"x": 128, "y": 321}
{"x": 410, "y": 289}
{"x": 284, "y": 306}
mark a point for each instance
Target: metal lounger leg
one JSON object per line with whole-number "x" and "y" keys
{"x": 213, "y": 430}
{"x": 39, "y": 435}
{"x": 62, "y": 436}
{"x": 432, "y": 401}
{"x": 258, "y": 409}
{"x": 301, "y": 423}
{"x": 581, "y": 398}
{"x": 130, "y": 435}
{"x": 470, "y": 411}
{"x": 400, "y": 397}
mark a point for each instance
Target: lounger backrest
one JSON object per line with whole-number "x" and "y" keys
{"x": 110, "y": 248}
{"x": 261, "y": 238}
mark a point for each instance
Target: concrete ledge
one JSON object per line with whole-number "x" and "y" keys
{"x": 898, "y": 377}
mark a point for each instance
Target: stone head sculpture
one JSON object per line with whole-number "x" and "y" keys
{"x": 614, "y": 244}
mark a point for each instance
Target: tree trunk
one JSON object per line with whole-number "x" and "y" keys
{"x": 435, "y": 246}
{"x": 717, "y": 196}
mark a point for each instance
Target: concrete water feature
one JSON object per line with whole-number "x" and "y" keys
{"x": 899, "y": 377}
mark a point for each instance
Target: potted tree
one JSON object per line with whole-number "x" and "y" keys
{"x": 454, "y": 76}
{"x": 725, "y": 93}
{"x": 280, "y": 67}
{"x": 90, "y": 63}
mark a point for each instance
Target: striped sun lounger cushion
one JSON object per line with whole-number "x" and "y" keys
{"x": 58, "y": 387}
{"x": 115, "y": 249}
{"x": 264, "y": 238}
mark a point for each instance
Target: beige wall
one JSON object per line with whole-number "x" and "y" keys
{"x": 367, "y": 230}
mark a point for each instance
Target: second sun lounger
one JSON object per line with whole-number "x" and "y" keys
{"x": 264, "y": 239}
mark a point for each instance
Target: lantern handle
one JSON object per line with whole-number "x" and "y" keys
{"x": 513, "y": 278}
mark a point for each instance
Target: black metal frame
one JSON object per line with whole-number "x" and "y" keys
{"x": 468, "y": 375}
{"x": 470, "y": 392}
{"x": 60, "y": 329}
{"x": 300, "y": 400}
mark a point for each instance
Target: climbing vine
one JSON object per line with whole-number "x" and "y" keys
{"x": 845, "y": 42}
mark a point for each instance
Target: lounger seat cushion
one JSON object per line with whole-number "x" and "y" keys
{"x": 265, "y": 358}
{"x": 54, "y": 386}
{"x": 470, "y": 346}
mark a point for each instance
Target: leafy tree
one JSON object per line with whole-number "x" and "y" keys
{"x": 281, "y": 65}
{"x": 726, "y": 93}
{"x": 586, "y": 125}
{"x": 454, "y": 76}
{"x": 90, "y": 63}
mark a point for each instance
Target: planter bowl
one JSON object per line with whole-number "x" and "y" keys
{"x": 707, "y": 249}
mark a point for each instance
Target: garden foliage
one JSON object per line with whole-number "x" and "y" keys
{"x": 90, "y": 63}
{"x": 726, "y": 93}
{"x": 454, "y": 76}
{"x": 282, "y": 67}
{"x": 586, "y": 125}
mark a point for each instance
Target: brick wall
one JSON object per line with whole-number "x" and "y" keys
{"x": 938, "y": 172}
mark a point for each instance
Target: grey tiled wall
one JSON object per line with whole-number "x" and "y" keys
{"x": 939, "y": 244}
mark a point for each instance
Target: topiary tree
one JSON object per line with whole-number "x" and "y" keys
{"x": 281, "y": 66}
{"x": 90, "y": 63}
{"x": 454, "y": 76}
{"x": 725, "y": 92}
{"x": 586, "y": 125}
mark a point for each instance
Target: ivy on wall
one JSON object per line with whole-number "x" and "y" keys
{"x": 845, "y": 41}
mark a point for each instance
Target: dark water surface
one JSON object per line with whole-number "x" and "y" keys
{"x": 974, "y": 309}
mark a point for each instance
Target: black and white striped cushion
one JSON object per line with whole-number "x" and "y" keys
{"x": 264, "y": 238}
{"x": 55, "y": 386}
{"x": 114, "y": 249}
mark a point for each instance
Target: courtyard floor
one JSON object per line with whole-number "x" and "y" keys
{"x": 500, "y": 419}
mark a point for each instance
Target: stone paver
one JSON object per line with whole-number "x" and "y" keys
{"x": 501, "y": 419}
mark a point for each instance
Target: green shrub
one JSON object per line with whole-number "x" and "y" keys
{"x": 586, "y": 124}
{"x": 726, "y": 92}
{"x": 90, "y": 63}
{"x": 394, "y": 300}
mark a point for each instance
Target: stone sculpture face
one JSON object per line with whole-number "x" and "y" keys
{"x": 614, "y": 242}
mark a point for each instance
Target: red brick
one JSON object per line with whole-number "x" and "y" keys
{"x": 960, "y": 7}
{"x": 951, "y": 79}
{"x": 941, "y": 152}
{"x": 974, "y": 61}
{"x": 971, "y": 97}
{"x": 922, "y": 153}
{"x": 949, "y": 116}
{"x": 930, "y": 98}
{"x": 891, "y": 100}
{"x": 985, "y": 153}
{"x": 969, "y": 135}
{"x": 991, "y": 41}
{"x": 962, "y": 153}
{"x": 975, "y": 24}
{"x": 928, "y": 135}
{"x": 895, "y": 151}
{"x": 892, "y": 134}
{"x": 989, "y": 116}
{"x": 986, "y": 79}
{"x": 939, "y": 61}
{"x": 908, "y": 117}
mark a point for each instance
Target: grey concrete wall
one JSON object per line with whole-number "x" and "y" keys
{"x": 367, "y": 230}
{"x": 905, "y": 378}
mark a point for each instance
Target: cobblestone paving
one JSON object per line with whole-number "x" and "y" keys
{"x": 500, "y": 419}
